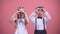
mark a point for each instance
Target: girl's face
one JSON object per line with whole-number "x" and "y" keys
{"x": 21, "y": 9}
{"x": 20, "y": 15}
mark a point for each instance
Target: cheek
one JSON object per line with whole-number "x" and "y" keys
{"x": 38, "y": 12}
{"x": 41, "y": 12}
{"x": 43, "y": 15}
{"x": 22, "y": 9}
{"x": 23, "y": 16}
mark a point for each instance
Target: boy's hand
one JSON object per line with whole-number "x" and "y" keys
{"x": 43, "y": 15}
{"x": 36, "y": 11}
{"x": 44, "y": 10}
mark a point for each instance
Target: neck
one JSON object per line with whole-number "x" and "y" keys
{"x": 39, "y": 16}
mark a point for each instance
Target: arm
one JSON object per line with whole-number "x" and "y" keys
{"x": 13, "y": 18}
{"x": 26, "y": 16}
{"x": 48, "y": 17}
{"x": 32, "y": 17}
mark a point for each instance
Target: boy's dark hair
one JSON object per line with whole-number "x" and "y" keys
{"x": 39, "y": 7}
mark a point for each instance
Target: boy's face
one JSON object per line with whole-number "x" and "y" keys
{"x": 39, "y": 11}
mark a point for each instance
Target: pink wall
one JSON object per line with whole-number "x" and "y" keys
{"x": 8, "y": 7}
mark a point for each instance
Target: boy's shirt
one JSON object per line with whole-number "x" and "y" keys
{"x": 40, "y": 25}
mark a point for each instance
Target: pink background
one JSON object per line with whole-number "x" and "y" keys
{"x": 8, "y": 7}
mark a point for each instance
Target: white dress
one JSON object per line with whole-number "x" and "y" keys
{"x": 21, "y": 29}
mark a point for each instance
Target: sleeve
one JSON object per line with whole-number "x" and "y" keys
{"x": 32, "y": 17}
{"x": 48, "y": 17}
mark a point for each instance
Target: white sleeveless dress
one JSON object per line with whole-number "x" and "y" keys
{"x": 21, "y": 29}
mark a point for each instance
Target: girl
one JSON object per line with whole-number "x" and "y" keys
{"x": 21, "y": 20}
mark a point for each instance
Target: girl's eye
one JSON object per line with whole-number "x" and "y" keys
{"x": 22, "y": 7}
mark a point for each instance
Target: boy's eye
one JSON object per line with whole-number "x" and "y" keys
{"x": 42, "y": 9}
{"x": 38, "y": 9}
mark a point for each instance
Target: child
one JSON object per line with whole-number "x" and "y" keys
{"x": 39, "y": 20}
{"x": 21, "y": 20}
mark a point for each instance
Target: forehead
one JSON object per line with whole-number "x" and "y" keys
{"x": 20, "y": 12}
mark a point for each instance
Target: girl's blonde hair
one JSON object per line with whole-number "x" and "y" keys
{"x": 20, "y": 7}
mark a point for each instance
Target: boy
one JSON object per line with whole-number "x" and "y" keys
{"x": 39, "y": 20}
